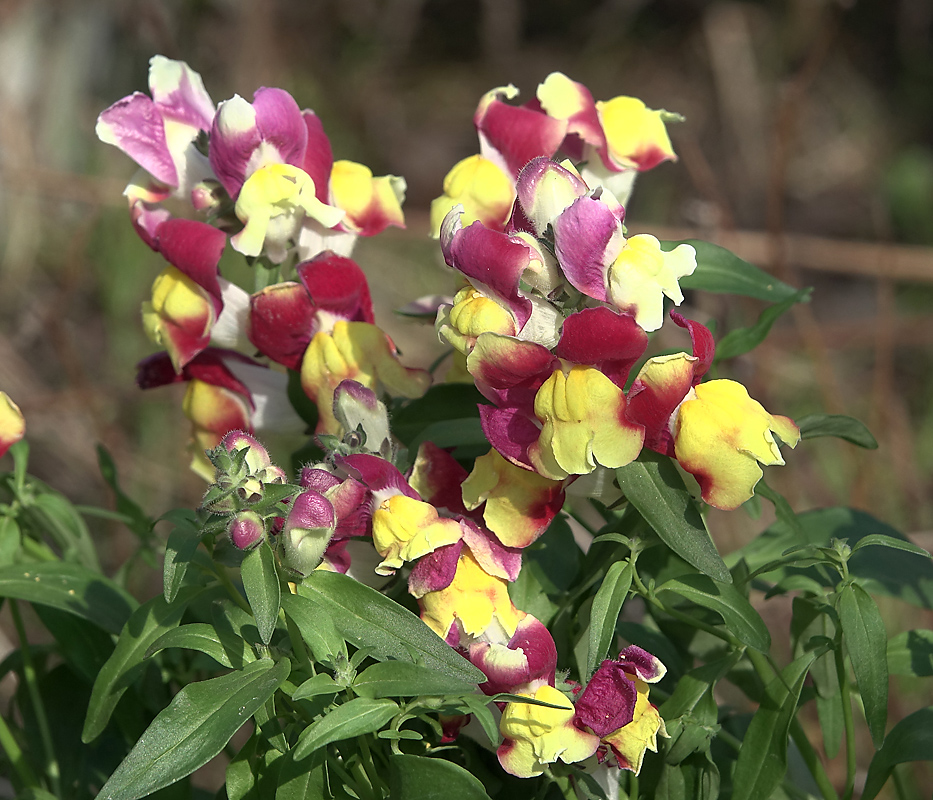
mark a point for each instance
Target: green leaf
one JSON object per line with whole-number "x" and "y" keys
{"x": 695, "y": 778}
{"x": 144, "y": 626}
{"x": 721, "y": 271}
{"x": 528, "y": 594}
{"x": 236, "y": 631}
{"x": 840, "y": 426}
{"x": 762, "y": 759}
{"x": 743, "y": 340}
{"x": 315, "y": 685}
{"x": 695, "y": 683}
{"x": 737, "y": 613}
{"x": 910, "y": 740}
{"x": 911, "y": 653}
{"x": 138, "y": 521}
{"x": 240, "y": 777}
{"x": 195, "y": 636}
{"x": 892, "y": 572}
{"x": 53, "y": 514}
{"x": 193, "y": 729}
{"x": 420, "y": 778}
{"x": 865, "y": 638}
{"x": 317, "y": 630}
{"x": 182, "y": 544}
{"x": 782, "y": 509}
{"x": 10, "y": 540}
{"x": 880, "y": 540}
{"x": 69, "y": 587}
{"x": 263, "y": 590}
{"x": 367, "y": 618}
{"x": 82, "y": 644}
{"x": 305, "y": 780}
{"x": 478, "y": 706}
{"x": 604, "y": 614}
{"x": 403, "y": 679}
{"x": 359, "y": 716}
{"x": 440, "y": 403}
{"x": 653, "y": 485}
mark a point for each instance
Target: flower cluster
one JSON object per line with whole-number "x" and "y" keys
{"x": 263, "y": 175}
{"x": 613, "y": 141}
{"x": 554, "y": 312}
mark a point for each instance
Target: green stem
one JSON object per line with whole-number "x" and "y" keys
{"x": 32, "y": 685}
{"x": 366, "y": 757}
{"x": 221, "y": 572}
{"x": 347, "y": 779}
{"x": 847, "y": 721}
{"x": 15, "y": 756}
{"x": 812, "y": 759}
{"x": 767, "y": 671}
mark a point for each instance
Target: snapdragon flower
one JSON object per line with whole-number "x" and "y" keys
{"x": 613, "y": 140}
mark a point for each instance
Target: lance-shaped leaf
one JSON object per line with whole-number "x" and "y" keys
{"x": 721, "y": 271}
{"x": 762, "y": 759}
{"x": 865, "y": 638}
{"x": 182, "y": 544}
{"x": 737, "y": 613}
{"x": 910, "y": 740}
{"x": 146, "y": 624}
{"x": 743, "y": 340}
{"x": 70, "y": 587}
{"x": 317, "y": 629}
{"x": 193, "y": 729}
{"x": 263, "y": 590}
{"x": 852, "y": 430}
{"x": 420, "y": 778}
{"x": 403, "y": 679}
{"x": 355, "y": 718}
{"x": 302, "y": 780}
{"x": 605, "y": 610}
{"x": 370, "y": 619}
{"x": 653, "y": 485}
{"x": 195, "y": 636}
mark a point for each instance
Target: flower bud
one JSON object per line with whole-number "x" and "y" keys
{"x": 246, "y": 530}
{"x": 209, "y": 197}
{"x": 357, "y": 408}
{"x": 308, "y": 529}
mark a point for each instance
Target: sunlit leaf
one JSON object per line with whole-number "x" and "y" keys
{"x": 357, "y": 717}
{"x": 370, "y": 619}
{"x": 145, "y": 625}
{"x": 721, "y": 271}
{"x": 69, "y": 587}
{"x": 653, "y": 485}
{"x": 839, "y": 426}
{"x": 263, "y": 590}
{"x": 420, "y": 778}
{"x": 193, "y": 729}
{"x": 404, "y": 679}
{"x": 607, "y": 605}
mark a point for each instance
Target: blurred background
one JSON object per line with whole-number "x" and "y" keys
{"x": 807, "y": 149}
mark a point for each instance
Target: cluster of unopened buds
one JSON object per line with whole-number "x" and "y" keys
{"x": 555, "y": 310}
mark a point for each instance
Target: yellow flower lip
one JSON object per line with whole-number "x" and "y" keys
{"x": 272, "y": 205}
